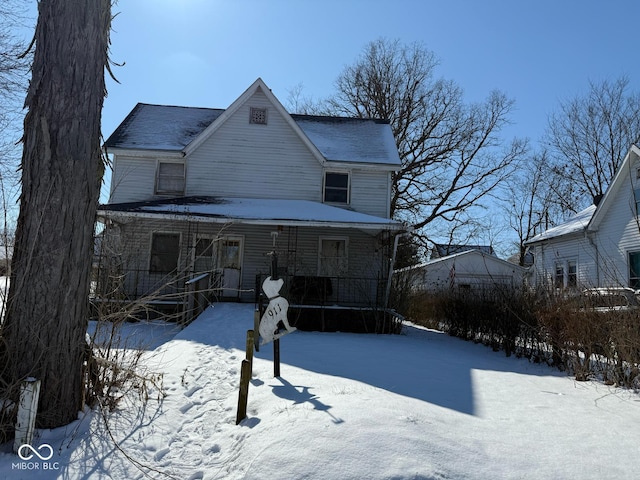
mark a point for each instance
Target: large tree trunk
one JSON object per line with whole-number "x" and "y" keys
{"x": 47, "y": 313}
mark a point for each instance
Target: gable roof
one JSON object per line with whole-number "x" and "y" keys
{"x": 487, "y": 257}
{"x": 577, "y": 223}
{"x": 182, "y": 129}
{"x": 618, "y": 182}
{"x": 443, "y": 250}
{"x": 347, "y": 139}
{"x": 589, "y": 219}
{"x": 161, "y": 127}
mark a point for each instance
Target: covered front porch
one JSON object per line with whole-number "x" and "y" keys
{"x": 184, "y": 253}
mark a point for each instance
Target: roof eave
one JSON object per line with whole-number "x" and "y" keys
{"x": 114, "y": 214}
{"x": 365, "y": 165}
{"x": 144, "y": 152}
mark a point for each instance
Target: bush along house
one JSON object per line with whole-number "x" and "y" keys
{"x": 203, "y": 197}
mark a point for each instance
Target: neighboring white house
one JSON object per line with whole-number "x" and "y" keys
{"x": 600, "y": 246}
{"x": 199, "y": 190}
{"x": 474, "y": 270}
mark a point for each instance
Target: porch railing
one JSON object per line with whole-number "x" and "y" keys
{"x": 327, "y": 291}
{"x": 178, "y": 295}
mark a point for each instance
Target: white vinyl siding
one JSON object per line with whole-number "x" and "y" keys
{"x": 133, "y": 179}
{"x": 258, "y": 161}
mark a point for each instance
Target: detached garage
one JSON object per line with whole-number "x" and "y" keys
{"x": 470, "y": 270}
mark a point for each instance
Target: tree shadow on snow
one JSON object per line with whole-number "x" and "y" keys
{"x": 419, "y": 363}
{"x": 426, "y": 365}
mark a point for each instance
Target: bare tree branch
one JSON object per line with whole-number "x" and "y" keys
{"x": 589, "y": 136}
{"x": 452, "y": 157}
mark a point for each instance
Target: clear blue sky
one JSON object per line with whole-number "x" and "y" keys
{"x": 206, "y": 52}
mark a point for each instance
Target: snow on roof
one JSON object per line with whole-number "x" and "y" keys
{"x": 575, "y": 224}
{"x": 467, "y": 253}
{"x": 253, "y": 211}
{"x": 161, "y": 127}
{"x": 351, "y": 139}
{"x": 172, "y": 128}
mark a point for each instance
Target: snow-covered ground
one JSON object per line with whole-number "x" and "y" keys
{"x": 420, "y": 405}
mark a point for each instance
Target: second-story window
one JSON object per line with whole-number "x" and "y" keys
{"x": 336, "y": 187}
{"x": 170, "y": 178}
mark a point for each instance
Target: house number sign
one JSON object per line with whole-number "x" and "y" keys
{"x": 275, "y": 313}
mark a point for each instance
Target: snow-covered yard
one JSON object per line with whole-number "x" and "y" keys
{"x": 420, "y": 405}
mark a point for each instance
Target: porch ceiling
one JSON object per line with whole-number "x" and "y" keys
{"x": 249, "y": 211}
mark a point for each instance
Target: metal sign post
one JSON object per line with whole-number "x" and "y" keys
{"x": 275, "y": 313}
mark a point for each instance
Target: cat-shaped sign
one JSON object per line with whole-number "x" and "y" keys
{"x": 275, "y": 313}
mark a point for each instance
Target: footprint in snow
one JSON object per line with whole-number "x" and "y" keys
{"x": 160, "y": 454}
{"x": 191, "y": 391}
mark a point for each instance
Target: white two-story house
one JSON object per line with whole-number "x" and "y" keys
{"x": 599, "y": 246}
{"x": 200, "y": 191}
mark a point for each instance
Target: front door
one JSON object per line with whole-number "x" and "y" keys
{"x": 230, "y": 265}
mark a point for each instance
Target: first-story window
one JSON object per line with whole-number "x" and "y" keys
{"x": 336, "y": 187}
{"x": 634, "y": 270}
{"x": 170, "y": 178}
{"x": 572, "y": 274}
{"x": 558, "y": 279}
{"x": 204, "y": 255}
{"x": 165, "y": 251}
{"x": 565, "y": 274}
{"x": 332, "y": 261}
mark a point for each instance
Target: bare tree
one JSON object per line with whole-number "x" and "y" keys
{"x": 13, "y": 82}
{"x": 452, "y": 156}
{"x": 589, "y": 136}
{"x": 529, "y": 201}
{"x": 47, "y": 312}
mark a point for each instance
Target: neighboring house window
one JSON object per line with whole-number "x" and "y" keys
{"x": 572, "y": 274}
{"x": 165, "y": 250}
{"x": 336, "y": 187}
{"x": 332, "y": 260}
{"x": 170, "y": 178}
{"x": 558, "y": 280}
{"x": 636, "y": 196}
{"x": 634, "y": 270}
{"x": 258, "y": 116}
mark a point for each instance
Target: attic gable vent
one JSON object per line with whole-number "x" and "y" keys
{"x": 258, "y": 116}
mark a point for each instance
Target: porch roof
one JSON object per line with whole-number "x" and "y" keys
{"x": 250, "y": 211}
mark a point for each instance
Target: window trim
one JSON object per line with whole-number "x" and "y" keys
{"x": 632, "y": 278}
{"x": 212, "y": 239}
{"x": 348, "y": 189}
{"x": 162, "y": 232}
{"x": 566, "y": 274}
{"x": 158, "y": 190}
{"x": 342, "y": 238}
{"x": 558, "y": 275}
